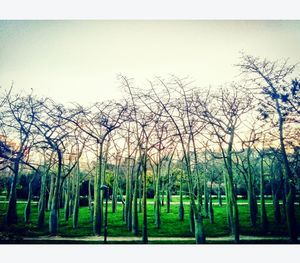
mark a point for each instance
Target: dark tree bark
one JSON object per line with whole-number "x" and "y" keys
{"x": 11, "y": 216}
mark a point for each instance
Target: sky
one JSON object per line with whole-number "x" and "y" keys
{"x": 78, "y": 61}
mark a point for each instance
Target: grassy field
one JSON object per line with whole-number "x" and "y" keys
{"x": 170, "y": 226}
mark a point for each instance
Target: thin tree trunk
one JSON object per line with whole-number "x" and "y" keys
{"x": 211, "y": 209}
{"x": 72, "y": 194}
{"x": 290, "y": 195}
{"x": 205, "y": 198}
{"x": 50, "y": 192}
{"x": 42, "y": 201}
{"x": 135, "y": 223}
{"x": 11, "y": 216}
{"x": 145, "y": 222}
{"x": 181, "y": 208}
{"x": 198, "y": 221}
{"x": 67, "y": 199}
{"x": 77, "y": 196}
{"x": 115, "y": 188}
{"x": 192, "y": 219}
{"x": 263, "y": 213}
{"x": 157, "y": 196}
{"x": 277, "y": 212}
{"x": 275, "y": 190}
{"x": 251, "y": 194}
{"x": 53, "y": 219}
{"x": 91, "y": 206}
{"x": 27, "y": 209}
{"x": 97, "y": 220}
{"x": 235, "y": 226}
{"x": 228, "y": 206}
{"x": 199, "y": 193}
{"x": 169, "y": 186}
{"x": 163, "y": 193}
{"x": 129, "y": 196}
{"x": 140, "y": 194}
{"x": 219, "y": 195}
{"x": 168, "y": 193}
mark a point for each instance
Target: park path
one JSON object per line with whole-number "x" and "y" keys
{"x": 128, "y": 239}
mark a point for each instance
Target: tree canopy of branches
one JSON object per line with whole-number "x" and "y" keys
{"x": 160, "y": 139}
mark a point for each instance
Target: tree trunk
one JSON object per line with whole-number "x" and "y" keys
{"x": 114, "y": 199}
{"x": 98, "y": 216}
{"x": 115, "y": 189}
{"x": 211, "y": 209}
{"x": 50, "y": 192}
{"x": 277, "y": 212}
{"x": 205, "y": 198}
{"x": 290, "y": 214}
{"x": 28, "y": 204}
{"x": 42, "y": 201}
{"x": 129, "y": 196}
{"x": 72, "y": 194}
{"x": 181, "y": 208}
{"x": 290, "y": 197}
{"x": 234, "y": 214}
{"x": 198, "y": 221}
{"x": 11, "y": 216}
{"x": 67, "y": 199}
{"x": 199, "y": 193}
{"x": 284, "y": 206}
{"x": 263, "y": 213}
{"x": 252, "y": 203}
{"x": 199, "y": 229}
{"x": 275, "y": 190}
{"x": 135, "y": 223}
{"x": 169, "y": 186}
{"x": 140, "y": 195}
{"x": 163, "y": 193}
{"x": 53, "y": 220}
{"x": 76, "y": 199}
{"x": 219, "y": 195}
{"x": 91, "y": 206}
{"x": 168, "y": 200}
{"x": 157, "y": 197}
{"x": 228, "y": 206}
{"x": 192, "y": 219}
{"x": 145, "y": 223}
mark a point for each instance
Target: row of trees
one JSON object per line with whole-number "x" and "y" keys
{"x": 171, "y": 131}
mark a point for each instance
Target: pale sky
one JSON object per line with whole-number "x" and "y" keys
{"x": 79, "y": 60}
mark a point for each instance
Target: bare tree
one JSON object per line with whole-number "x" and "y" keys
{"x": 223, "y": 113}
{"x": 272, "y": 79}
{"x": 181, "y": 124}
{"x": 98, "y": 122}
{"x": 18, "y": 117}
{"x": 54, "y": 129}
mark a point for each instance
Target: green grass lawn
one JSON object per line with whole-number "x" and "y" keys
{"x": 185, "y": 198}
{"x": 170, "y": 225}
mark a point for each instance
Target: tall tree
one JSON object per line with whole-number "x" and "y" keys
{"x": 272, "y": 79}
{"x": 17, "y": 123}
{"x": 223, "y": 113}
